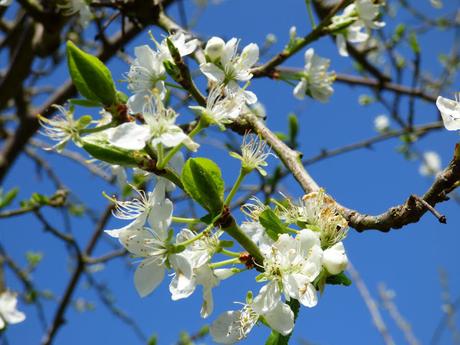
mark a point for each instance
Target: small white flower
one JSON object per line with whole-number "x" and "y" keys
{"x": 431, "y": 164}
{"x": 8, "y": 312}
{"x": 381, "y": 123}
{"x": 160, "y": 128}
{"x": 450, "y": 112}
{"x": 231, "y": 67}
{"x": 145, "y": 78}
{"x": 233, "y": 326}
{"x": 290, "y": 268}
{"x": 151, "y": 244}
{"x": 62, "y": 127}
{"x": 221, "y": 109}
{"x": 254, "y": 153}
{"x": 153, "y": 206}
{"x": 363, "y": 13}
{"x": 335, "y": 259}
{"x": 183, "y": 44}
{"x": 5, "y": 2}
{"x": 71, "y": 7}
{"x": 195, "y": 258}
{"x": 315, "y": 80}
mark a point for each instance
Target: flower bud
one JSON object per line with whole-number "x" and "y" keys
{"x": 334, "y": 259}
{"x": 214, "y": 48}
{"x": 292, "y": 33}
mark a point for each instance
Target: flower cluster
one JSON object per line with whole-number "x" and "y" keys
{"x": 297, "y": 248}
{"x": 354, "y": 24}
{"x": 295, "y": 265}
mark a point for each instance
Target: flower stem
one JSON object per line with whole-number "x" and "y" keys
{"x": 186, "y": 220}
{"x": 97, "y": 129}
{"x": 229, "y": 253}
{"x": 310, "y": 13}
{"x": 225, "y": 262}
{"x": 191, "y": 240}
{"x": 235, "y": 187}
{"x": 174, "y": 85}
{"x": 198, "y": 128}
{"x": 234, "y": 231}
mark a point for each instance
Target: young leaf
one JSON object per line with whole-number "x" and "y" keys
{"x": 202, "y": 180}
{"x": 8, "y": 197}
{"x": 272, "y": 224}
{"x": 91, "y": 77}
{"x": 339, "y": 279}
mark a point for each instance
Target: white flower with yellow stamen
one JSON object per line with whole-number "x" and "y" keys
{"x": 62, "y": 127}
{"x": 315, "y": 79}
{"x": 254, "y": 153}
{"x": 229, "y": 67}
{"x": 233, "y": 326}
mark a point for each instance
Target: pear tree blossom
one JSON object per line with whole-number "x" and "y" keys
{"x": 359, "y": 18}
{"x": 8, "y": 311}
{"x": 80, "y": 7}
{"x": 431, "y": 164}
{"x": 159, "y": 129}
{"x": 315, "y": 80}
{"x": 227, "y": 67}
{"x": 450, "y": 112}
{"x": 233, "y": 326}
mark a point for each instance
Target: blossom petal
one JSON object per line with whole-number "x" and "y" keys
{"x": 300, "y": 89}
{"x": 281, "y": 318}
{"x": 450, "y": 113}
{"x": 149, "y": 274}
{"x": 269, "y": 295}
{"x": 212, "y": 72}
{"x": 129, "y": 136}
{"x": 249, "y": 55}
{"x": 224, "y": 329}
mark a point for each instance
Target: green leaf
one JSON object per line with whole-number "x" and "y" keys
{"x": 103, "y": 151}
{"x": 293, "y": 129}
{"x": 91, "y": 77}
{"x": 413, "y": 43}
{"x": 8, "y": 197}
{"x": 272, "y": 224}
{"x": 338, "y": 279}
{"x": 85, "y": 103}
{"x": 202, "y": 180}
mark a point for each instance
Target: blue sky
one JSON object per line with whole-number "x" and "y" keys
{"x": 371, "y": 181}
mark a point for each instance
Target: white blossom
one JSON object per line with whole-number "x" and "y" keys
{"x": 258, "y": 235}
{"x": 221, "y": 109}
{"x": 450, "y": 112}
{"x": 160, "y": 128}
{"x": 230, "y": 67}
{"x": 5, "y": 2}
{"x": 145, "y": 78}
{"x": 151, "y": 243}
{"x": 195, "y": 258}
{"x": 431, "y": 164}
{"x": 381, "y": 123}
{"x": 71, "y": 7}
{"x": 290, "y": 269}
{"x": 62, "y": 127}
{"x": 315, "y": 79}
{"x": 362, "y": 14}
{"x": 254, "y": 153}
{"x": 233, "y": 326}
{"x": 8, "y": 312}
{"x": 181, "y": 42}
